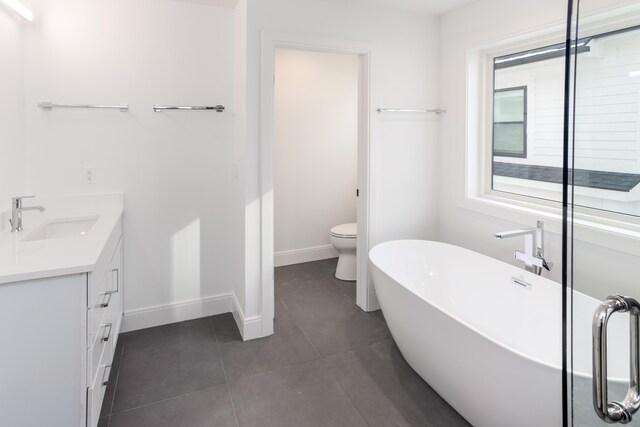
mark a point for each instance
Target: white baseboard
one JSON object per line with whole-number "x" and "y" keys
{"x": 298, "y": 256}
{"x": 177, "y": 312}
{"x": 251, "y": 327}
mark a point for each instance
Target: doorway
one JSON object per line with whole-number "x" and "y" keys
{"x": 602, "y": 349}
{"x": 315, "y": 158}
{"x": 365, "y": 298}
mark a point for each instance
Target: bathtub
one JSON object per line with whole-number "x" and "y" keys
{"x": 486, "y": 335}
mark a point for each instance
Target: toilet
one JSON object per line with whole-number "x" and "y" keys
{"x": 343, "y": 239}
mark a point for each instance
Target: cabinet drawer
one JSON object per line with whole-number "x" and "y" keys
{"x": 102, "y": 350}
{"x": 108, "y": 300}
{"x": 96, "y": 316}
{"x": 113, "y": 316}
{"x": 104, "y": 270}
{"x": 95, "y": 394}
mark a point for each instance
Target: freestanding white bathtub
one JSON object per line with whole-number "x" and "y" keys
{"x": 488, "y": 344}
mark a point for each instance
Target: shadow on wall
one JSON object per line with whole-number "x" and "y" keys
{"x": 185, "y": 262}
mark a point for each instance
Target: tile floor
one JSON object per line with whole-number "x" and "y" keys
{"x": 328, "y": 364}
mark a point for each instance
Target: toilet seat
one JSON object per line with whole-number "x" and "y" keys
{"x": 345, "y": 231}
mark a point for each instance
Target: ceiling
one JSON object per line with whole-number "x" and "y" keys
{"x": 432, "y": 7}
{"x": 221, "y": 3}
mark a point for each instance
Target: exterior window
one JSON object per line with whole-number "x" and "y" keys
{"x": 527, "y": 140}
{"x": 510, "y": 122}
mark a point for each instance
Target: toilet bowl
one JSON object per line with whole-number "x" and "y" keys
{"x": 344, "y": 238}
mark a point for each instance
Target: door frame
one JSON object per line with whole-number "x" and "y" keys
{"x": 270, "y": 42}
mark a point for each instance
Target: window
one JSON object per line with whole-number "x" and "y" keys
{"x": 527, "y": 125}
{"x": 510, "y": 122}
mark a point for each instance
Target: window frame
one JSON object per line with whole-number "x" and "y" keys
{"x": 524, "y": 123}
{"x": 603, "y": 228}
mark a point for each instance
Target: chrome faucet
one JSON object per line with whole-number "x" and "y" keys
{"x": 16, "y": 212}
{"x": 533, "y": 255}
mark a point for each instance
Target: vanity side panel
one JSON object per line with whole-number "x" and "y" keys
{"x": 42, "y": 330}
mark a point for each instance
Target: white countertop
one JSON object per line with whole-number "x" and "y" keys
{"x": 27, "y": 260}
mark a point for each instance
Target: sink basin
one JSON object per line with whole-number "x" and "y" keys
{"x": 60, "y": 229}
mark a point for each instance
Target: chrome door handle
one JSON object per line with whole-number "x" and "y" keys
{"x": 615, "y": 412}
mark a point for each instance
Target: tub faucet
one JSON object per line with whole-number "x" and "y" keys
{"x": 533, "y": 255}
{"x": 16, "y": 212}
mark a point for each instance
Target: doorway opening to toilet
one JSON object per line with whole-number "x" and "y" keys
{"x": 315, "y": 159}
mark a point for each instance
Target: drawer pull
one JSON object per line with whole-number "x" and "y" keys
{"x": 107, "y": 328}
{"x": 106, "y": 375}
{"x": 105, "y": 302}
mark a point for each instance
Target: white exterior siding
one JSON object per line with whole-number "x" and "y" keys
{"x": 607, "y": 106}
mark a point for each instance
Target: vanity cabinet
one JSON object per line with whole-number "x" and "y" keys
{"x": 57, "y": 340}
{"x": 104, "y": 318}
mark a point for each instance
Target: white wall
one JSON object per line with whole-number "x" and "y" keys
{"x": 175, "y": 168}
{"x": 237, "y": 225}
{"x": 12, "y": 153}
{"x": 315, "y": 153}
{"x": 403, "y": 154}
{"x": 599, "y": 271}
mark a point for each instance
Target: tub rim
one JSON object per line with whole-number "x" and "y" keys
{"x": 473, "y": 328}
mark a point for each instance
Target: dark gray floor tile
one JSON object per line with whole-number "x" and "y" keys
{"x": 117, "y": 354}
{"x": 302, "y": 395}
{"x": 174, "y": 375}
{"x": 103, "y": 422}
{"x": 110, "y": 392}
{"x": 226, "y": 328}
{"x": 324, "y": 270}
{"x": 379, "y": 315}
{"x": 332, "y": 322}
{"x": 315, "y": 298}
{"x": 209, "y": 407}
{"x": 345, "y": 333}
{"x": 347, "y": 287}
{"x": 287, "y": 346}
{"x": 299, "y": 273}
{"x": 167, "y": 361}
{"x": 387, "y": 391}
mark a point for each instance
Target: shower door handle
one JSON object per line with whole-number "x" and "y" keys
{"x": 615, "y": 412}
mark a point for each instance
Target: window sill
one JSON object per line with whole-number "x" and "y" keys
{"x": 604, "y": 231}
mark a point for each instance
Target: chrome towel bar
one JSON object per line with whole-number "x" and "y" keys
{"x": 408, "y": 110}
{"x": 45, "y": 105}
{"x": 217, "y": 108}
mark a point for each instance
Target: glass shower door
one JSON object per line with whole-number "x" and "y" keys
{"x": 602, "y": 209}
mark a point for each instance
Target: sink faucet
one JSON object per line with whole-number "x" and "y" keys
{"x": 533, "y": 255}
{"x": 16, "y": 212}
